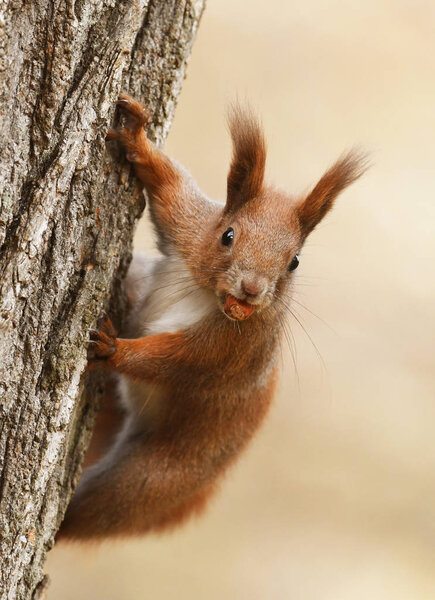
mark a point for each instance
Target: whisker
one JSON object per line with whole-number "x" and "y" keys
{"x": 293, "y": 299}
{"x": 298, "y": 319}
{"x": 311, "y": 340}
{"x": 156, "y": 274}
{"x": 151, "y": 392}
{"x": 291, "y": 343}
{"x": 185, "y": 296}
{"x": 185, "y": 273}
{"x": 174, "y": 284}
{"x": 192, "y": 286}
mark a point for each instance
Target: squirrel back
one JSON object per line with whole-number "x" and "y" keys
{"x": 197, "y": 366}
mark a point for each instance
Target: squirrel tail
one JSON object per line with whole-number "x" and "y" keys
{"x": 129, "y": 492}
{"x": 107, "y": 497}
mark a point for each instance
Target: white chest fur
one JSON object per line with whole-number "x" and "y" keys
{"x": 171, "y": 300}
{"x": 165, "y": 299}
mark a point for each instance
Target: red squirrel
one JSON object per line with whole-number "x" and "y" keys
{"x": 198, "y": 366}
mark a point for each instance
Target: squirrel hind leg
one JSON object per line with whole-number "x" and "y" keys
{"x": 107, "y": 424}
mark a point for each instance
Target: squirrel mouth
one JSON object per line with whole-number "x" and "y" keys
{"x": 236, "y": 309}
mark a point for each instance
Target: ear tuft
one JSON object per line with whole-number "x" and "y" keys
{"x": 345, "y": 171}
{"x": 246, "y": 175}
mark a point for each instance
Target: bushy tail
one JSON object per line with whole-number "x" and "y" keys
{"x": 132, "y": 490}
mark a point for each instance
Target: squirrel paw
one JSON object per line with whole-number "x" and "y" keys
{"x": 135, "y": 115}
{"x": 102, "y": 344}
{"x": 131, "y": 135}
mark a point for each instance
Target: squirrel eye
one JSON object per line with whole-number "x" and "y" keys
{"x": 228, "y": 236}
{"x": 294, "y": 263}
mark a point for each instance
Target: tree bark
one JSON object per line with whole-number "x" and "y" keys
{"x": 67, "y": 216}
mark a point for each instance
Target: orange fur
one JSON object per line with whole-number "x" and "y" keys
{"x": 246, "y": 176}
{"x": 212, "y": 379}
{"x": 106, "y": 426}
{"x": 345, "y": 171}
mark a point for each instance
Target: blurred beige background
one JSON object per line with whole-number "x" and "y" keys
{"x": 335, "y": 499}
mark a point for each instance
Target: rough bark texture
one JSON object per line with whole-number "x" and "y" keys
{"x": 67, "y": 216}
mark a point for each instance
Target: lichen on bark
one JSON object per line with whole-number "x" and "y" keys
{"x": 67, "y": 215}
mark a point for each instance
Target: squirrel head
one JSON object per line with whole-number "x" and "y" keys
{"x": 251, "y": 249}
{"x": 246, "y": 250}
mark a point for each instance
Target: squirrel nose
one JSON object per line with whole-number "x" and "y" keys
{"x": 253, "y": 285}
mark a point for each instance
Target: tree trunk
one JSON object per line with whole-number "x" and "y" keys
{"x": 67, "y": 216}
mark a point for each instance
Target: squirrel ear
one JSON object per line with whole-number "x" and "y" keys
{"x": 246, "y": 175}
{"x": 345, "y": 171}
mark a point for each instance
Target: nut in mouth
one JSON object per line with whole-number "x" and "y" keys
{"x": 237, "y": 309}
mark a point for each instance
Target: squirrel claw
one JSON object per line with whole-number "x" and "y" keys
{"x": 102, "y": 344}
{"x": 134, "y": 118}
{"x": 124, "y": 100}
{"x": 136, "y": 114}
{"x": 112, "y": 134}
{"x": 106, "y": 326}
